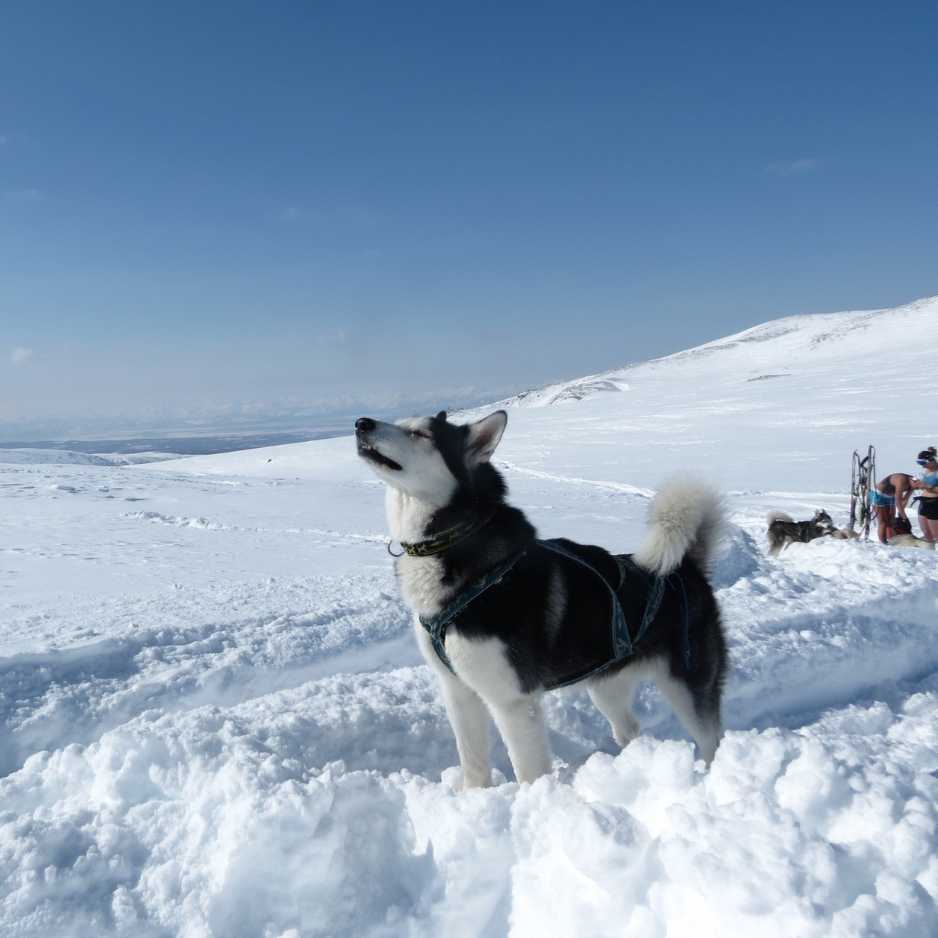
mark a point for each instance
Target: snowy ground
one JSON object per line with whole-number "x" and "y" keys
{"x": 214, "y": 722}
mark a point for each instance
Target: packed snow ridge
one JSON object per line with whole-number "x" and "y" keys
{"x": 214, "y": 721}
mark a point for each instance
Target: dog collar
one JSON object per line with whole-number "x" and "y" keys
{"x": 442, "y": 541}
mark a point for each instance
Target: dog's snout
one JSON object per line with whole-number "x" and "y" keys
{"x": 365, "y": 424}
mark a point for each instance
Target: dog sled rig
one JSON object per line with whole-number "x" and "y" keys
{"x": 862, "y": 480}
{"x": 633, "y": 580}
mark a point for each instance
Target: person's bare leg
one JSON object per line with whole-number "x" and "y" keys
{"x": 882, "y": 523}
{"x": 929, "y": 528}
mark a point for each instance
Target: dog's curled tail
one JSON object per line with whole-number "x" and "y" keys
{"x": 778, "y": 516}
{"x": 686, "y": 518}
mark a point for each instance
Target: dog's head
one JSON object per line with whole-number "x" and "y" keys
{"x": 433, "y": 460}
{"x": 823, "y": 520}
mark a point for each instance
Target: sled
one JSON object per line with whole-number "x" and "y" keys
{"x": 862, "y": 479}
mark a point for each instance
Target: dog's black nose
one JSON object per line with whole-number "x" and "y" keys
{"x": 364, "y": 424}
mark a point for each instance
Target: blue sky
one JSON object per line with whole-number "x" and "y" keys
{"x": 215, "y": 208}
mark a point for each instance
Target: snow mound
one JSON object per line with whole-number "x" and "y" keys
{"x": 221, "y": 823}
{"x": 737, "y": 557}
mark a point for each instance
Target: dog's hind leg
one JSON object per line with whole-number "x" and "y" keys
{"x": 612, "y": 697}
{"x": 700, "y": 717}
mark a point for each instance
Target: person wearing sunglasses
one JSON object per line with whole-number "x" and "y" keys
{"x": 927, "y": 487}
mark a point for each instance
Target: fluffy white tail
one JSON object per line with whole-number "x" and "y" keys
{"x": 778, "y": 516}
{"x": 685, "y": 519}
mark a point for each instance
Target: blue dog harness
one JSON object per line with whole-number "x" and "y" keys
{"x": 623, "y": 642}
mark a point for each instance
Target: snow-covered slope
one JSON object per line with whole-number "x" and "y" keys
{"x": 66, "y": 457}
{"x": 214, "y": 722}
{"x": 888, "y": 340}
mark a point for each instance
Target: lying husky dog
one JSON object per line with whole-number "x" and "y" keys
{"x": 910, "y": 540}
{"x": 902, "y": 535}
{"x": 784, "y": 530}
{"x": 501, "y": 617}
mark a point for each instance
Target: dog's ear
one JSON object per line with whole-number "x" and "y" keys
{"x": 484, "y": 436}
{"x": 441, "y": 416}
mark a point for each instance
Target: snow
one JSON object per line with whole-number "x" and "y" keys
{"x": 33, "y": 456}
{"x": 214, "y": 720}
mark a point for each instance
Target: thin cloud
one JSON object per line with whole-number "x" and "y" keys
{"x": 290, "y": 213}
{"x": 797, "y": 167}
{"x": 20, "y": 355}
{"x": 348, "y": 217}
{"x": 23, "y": 196}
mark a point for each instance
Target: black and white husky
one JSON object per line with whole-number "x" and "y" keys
{"x": 783, "y": 530}
{"x": 501, "y": 617}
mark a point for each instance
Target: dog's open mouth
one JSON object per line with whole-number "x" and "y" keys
{"x": 367, "y": 451}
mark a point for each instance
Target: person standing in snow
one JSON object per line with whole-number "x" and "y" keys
{"x": 889, "y": 498}
{"x": 927, "y": 487}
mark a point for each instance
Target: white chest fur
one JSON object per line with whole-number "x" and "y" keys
{"x": 421, "y": 578}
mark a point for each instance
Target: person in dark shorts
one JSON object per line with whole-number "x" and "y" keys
{"x": 889, "y": 499}
{"x": 927, "y": 488}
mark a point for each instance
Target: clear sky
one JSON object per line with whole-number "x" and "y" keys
{"x": 256, "y": 206}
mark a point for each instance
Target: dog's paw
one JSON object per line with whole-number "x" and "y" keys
{"x": 476, "y": 780}
{"x": 626, "y": 731}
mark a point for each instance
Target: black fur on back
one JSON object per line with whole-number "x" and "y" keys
{"x": 578, "y": 637}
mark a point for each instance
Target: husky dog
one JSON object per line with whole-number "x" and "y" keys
{"x": 500, "y": 616}
{"x": 784, "y": 530}
{"x": 908, "y": 539}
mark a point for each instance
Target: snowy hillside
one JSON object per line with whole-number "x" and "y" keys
{"x": 214, "y": 720}
{"x": 795, "y": 345}
{"x": 33, "y": 456}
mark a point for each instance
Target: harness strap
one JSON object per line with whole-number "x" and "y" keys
{"x": 436, "y": 625}
{"x": 621, "y": 640}
{"x": 623, "y": 643}
{"x": 655, "y": 595}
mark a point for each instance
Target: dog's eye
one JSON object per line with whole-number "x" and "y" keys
{"x": 419, "y": 433}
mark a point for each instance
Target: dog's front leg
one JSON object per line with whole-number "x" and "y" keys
{"x": 521, "y": 723}
{"x": 470, "y": 722}
{"x": 485, "y": 666}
